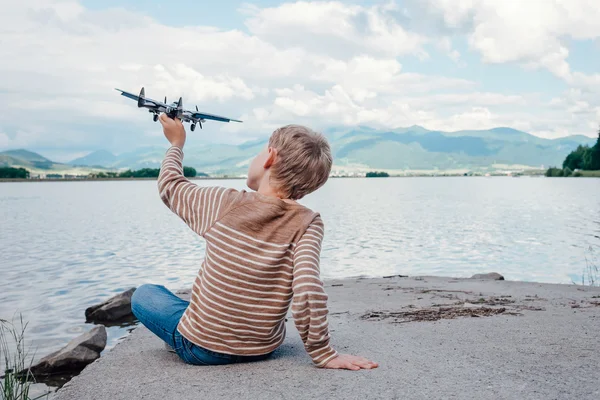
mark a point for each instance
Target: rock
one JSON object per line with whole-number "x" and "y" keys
{"x": 494, "y": 276}
{"x": 80, "y": 352}
{"x": 113, "y": 309}
{"x": 184, "y": 294}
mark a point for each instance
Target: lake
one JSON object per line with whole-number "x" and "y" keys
{"x": 68, "y": 245}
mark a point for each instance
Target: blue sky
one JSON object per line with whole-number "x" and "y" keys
{"x": 442, "y": 64}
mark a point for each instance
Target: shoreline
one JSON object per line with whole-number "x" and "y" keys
{"x": 434, "y": 337}
{"x": 243, "y": 178}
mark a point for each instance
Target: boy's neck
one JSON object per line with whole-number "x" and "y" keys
{"x": 266, "y": 189}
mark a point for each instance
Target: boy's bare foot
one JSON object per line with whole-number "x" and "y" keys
{"x": 354, "y": 363}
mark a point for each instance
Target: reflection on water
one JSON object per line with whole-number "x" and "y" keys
{"x": 68, "y": 245}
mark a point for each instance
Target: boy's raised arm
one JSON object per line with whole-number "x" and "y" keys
{"x": 199, "y": 207}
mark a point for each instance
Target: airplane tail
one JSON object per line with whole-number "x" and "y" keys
{"x": 180, "y": 107}
{"x": 142, "y": 98}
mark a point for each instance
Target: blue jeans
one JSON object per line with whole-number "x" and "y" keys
{"x": 159, "y": 310}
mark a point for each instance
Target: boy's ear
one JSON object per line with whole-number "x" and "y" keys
{"x": 271, "y": 157}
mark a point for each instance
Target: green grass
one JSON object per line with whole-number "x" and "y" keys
{"x": 14, "y": 355}
{"x": 590, "y": 174}
{"x": 591, "y": 274}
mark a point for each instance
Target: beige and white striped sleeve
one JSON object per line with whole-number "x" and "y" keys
{"x": 199, "y": 207}
{"x": 309, "y": 305}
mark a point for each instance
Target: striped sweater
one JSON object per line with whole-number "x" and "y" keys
{"x": 262, "y": 256}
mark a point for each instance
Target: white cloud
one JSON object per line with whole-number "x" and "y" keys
{"x": 465, "y": 99}
{"x": 322, "y": 63}
{"x": 334, "y": 28}
{"x": 532, "y": 32}
{"x": 5, "y": 141}
{"x": 337, "y": 107}
{"x": 445, "y": 44}
{"x": 23, "y": 138}
{"x": 476, "y": 118}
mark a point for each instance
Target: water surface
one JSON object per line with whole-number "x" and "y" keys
{"x": 68, "y": 245}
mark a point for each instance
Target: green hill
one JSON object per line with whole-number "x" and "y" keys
{"x": 26, "y": 159}
{"x": 26, "y": 155}
{"x": 418, "y": 148}
{"x": 38, "y": 164}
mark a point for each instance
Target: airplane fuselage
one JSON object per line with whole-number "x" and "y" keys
{"x": 173, "y": 110}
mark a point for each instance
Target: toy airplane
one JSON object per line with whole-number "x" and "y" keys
{"x": 173, "y": 110}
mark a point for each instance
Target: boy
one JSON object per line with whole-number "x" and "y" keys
{"x": 262, "y": 256}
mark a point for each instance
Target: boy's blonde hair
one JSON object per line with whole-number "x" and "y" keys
{"x": 303, "y": 160}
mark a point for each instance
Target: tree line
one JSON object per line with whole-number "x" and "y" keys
{"x": 188, "y": 172}
{"x": 13, "y": 173}
{"x": 22, "y": 173}
{"x": 584, "y": 158}
{"x": 377, "y": 174}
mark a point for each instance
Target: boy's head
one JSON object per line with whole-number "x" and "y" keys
{"x": 296, "y": 162}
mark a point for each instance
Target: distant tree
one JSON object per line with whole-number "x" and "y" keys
{"x": 587, "y": 160}
{"x": 377, "y": 174}
{"x": 140, "y": 173}
{"x": 146, "y": 173}
{"x": 554, "y": 172}
{"x": 593, "y": 162}
{"x": 13, "y": 173}
{"x": 143, "y": 173}
{"x": 567, "y": 171}
{"x": 575, "y": 159}
{"x": 189, "y": 172}
{"x": 584, "y": 157}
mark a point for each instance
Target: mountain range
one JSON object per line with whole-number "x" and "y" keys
{"x": 412, "y": 148}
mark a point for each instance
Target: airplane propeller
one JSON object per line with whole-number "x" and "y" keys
{"x": 199, "y": 121}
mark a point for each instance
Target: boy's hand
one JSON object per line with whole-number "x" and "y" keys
{"x": 354, "y": 363}
{"x": 173, "y": 129}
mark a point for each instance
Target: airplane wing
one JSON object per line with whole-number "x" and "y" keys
{"x": 145, "y": 101}
{"x": 128, "y": 95}
{"x": 198, "y": 115}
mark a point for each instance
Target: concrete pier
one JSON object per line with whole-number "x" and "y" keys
{"x": 434, "y": 338}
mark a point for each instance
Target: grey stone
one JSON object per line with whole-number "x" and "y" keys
{"x": 80, "y": 352}
{"x": 493, "y": 276}
{"x": 113, "y": 309}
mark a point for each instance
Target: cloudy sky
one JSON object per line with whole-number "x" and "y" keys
{"x": 533, "y": 65}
